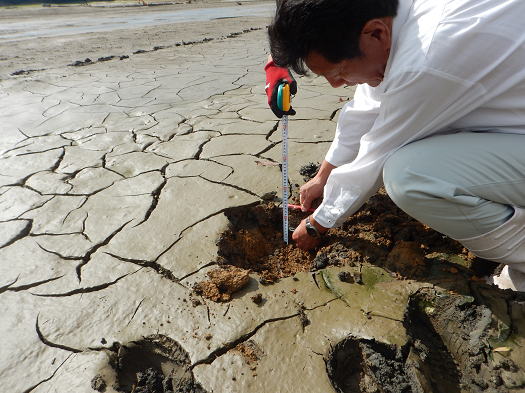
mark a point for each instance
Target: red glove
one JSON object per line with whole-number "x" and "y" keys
{"x": 276, "y": 76}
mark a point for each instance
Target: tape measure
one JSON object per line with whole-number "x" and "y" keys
{"x": 283, "y": 102}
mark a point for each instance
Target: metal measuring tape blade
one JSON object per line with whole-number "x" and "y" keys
{"x": 283, "y": 102}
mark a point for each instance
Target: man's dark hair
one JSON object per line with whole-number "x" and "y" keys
{"x": 331, "y": 28}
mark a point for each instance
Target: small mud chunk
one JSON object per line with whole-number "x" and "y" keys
{"x": 320, "y": 261}
{"x": 251, "y": 352}
{"x": 98, "y": 383}
{"x": 223, "y": 283}
{"x": 309, "y": 171}
{"x": 358, "y": 277}
{"x": 257, "y": 298}
{"x": 195, "y": 302}
{"x": 346, "y": 277}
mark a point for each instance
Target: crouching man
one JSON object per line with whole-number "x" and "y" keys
{"x": 438, "y": 116}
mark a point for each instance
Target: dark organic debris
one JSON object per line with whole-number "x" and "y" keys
{"x": 309, "y": 170}
{"x": 106, "y": 58}
{"x": 257, "y": 298}
{"x": 320, "y": 261}
{"x": 346, "y": 277}
{"x": 25, "y": 72}
{"x": 231, "y": 35}
{"x": 80, "y": 63}
{"x": 303, "y": 317}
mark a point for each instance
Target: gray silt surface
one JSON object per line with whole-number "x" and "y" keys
{"x": 113, "y": 181}
{"x": 113, "y": 177}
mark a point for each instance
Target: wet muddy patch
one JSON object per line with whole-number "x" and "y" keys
{"x": 380, "y": 234}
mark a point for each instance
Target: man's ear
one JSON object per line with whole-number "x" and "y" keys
{"x": 377, "y": 32}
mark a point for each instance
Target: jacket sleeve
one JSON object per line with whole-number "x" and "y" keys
{"x": 407, "y": 113}
{"x": 356, "y": 119}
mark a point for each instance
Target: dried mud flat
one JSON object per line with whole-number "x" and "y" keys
{"x": 24, "y": 53}
{"x": 461, "y": 334}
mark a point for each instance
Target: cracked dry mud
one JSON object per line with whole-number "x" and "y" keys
{"x": 124, "y": 183}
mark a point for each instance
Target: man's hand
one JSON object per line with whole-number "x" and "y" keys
{"x": 315, "y": 187}
{"x": 310, "y": 191}
{"x": 275, "y": 76}
{"x": 303, "y": 240}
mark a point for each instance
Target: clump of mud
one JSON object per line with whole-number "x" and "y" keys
{"x": 223, "y": 283}
{"x": 309, "y": 171}
{"x": 156, "y": 364}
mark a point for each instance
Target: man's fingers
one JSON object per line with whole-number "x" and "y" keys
{"x": 305, "y": 203}
{"x": 304, "y": 197}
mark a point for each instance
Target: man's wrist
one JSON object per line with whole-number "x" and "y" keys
{"x": 325, "y": 170}
{"x": 316, "y": 230}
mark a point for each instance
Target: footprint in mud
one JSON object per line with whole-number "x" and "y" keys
{"x": 361, "y": 365}
{"x": 156, "y": 364}
{"x": 458, "y": 343}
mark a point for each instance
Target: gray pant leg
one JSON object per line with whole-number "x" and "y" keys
{"x": 462, "y": 185}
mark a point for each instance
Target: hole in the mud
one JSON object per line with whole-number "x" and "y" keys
{"x": 361, "y": 365}
{"x": 156, "y": 364}
{"x": 255, "y": 242}
{"x": 379, "y": 233}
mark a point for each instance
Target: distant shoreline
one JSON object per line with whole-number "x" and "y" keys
{"x": 40, "y": 38}
{"x": 10, "y": 4}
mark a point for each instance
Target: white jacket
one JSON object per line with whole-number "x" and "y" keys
{"x": 455, "y": 65}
